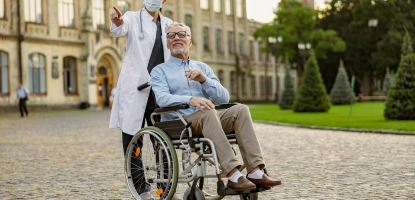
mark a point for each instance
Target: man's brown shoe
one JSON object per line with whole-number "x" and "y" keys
{"x": 265, "y": 181}
{"x": 242, "y": 184}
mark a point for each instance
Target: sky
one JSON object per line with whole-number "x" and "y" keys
{"x": 262, "y": 10}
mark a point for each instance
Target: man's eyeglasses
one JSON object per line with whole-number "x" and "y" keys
{"x": 172, "y": 35}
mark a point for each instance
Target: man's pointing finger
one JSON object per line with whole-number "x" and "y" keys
{"x": 118, "y": 11}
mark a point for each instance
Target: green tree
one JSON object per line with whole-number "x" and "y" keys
{"x": 312, "y": 96}
{"x": 341, "y": 91}
{"x": 387, "y": 82}
{"x": 400, "y": 103}
{"x": 288, "y": 94}
{"x": 295, "y": 24}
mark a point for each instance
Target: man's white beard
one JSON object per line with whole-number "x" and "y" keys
{"x": 179, "y": 51}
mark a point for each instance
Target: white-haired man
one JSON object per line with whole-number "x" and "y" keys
{"x": 184, "y": 81}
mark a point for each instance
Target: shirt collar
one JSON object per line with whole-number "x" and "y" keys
{"x": 147, "y": 15}
{"x": 178, "y": 61}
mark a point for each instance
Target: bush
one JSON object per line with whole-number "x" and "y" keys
{"x": 400, "y": 103}
{"x": 288, "y": 94}
{"x": 341, "y": 91}
{"x": 312, "y": 96}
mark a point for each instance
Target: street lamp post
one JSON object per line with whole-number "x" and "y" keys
{"x": 273, "y": 45}
{"x": 304, "y": 51}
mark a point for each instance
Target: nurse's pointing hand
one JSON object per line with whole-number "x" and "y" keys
{"x": 116, "y": 17}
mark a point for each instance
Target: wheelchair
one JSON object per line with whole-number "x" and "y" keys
{"x": 151, "y": 160}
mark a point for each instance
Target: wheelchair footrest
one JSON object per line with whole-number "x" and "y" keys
{"x": 230, "y": 191}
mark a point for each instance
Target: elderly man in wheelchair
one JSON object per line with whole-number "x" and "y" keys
{"x": 191, "y": 123}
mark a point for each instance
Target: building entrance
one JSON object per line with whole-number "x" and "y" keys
{"x": 104, "y": 83}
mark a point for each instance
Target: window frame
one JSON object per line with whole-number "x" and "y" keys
{"x": 229, "y": 7}
{"x": 230, "y": 43}
{"x": 218, "y": 34}
{"x": 221, "y": 76}
{"x": 233, "y": 82}
{"x": 241, "y": 43}
{"x": 204, "y": 4}
{"x": 168, "y": 11}
{"x": 31, "y": 81}
{"x": 27, "y": 13}
{"x": 269, "y": 85}
{"x": 262, "y": 85}
{"x": 217, "y": 4}
{"x": 94, "y": 22}
{"x": 121, "y": 10}
{"x": 206, "y": 39}
{"x": 66, "y": 70}
{"x": 243, "y": 83}
{"x": 73, "y": 13}
{"x": 239, "y": 9}
{"x": 186, "y": 17}
{"x": 4, "y": 10}
{"x": 253, "y": 85}
{"x": 8, "y": 74}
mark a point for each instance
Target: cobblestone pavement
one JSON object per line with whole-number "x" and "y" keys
{"x": 73, "y": 155}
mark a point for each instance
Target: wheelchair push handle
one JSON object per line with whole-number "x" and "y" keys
{"x": 143, "y": 86}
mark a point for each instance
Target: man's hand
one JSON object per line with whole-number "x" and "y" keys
{"x": 199, "y": 102}
{"x": 116, "y": 17}
{"x": 196, "y": 75}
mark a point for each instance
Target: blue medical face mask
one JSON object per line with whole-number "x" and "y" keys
{"x": 153, "y": 5}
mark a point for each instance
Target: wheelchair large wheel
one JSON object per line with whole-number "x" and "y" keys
{"x": 151, "y": 164}
{"x": 252, "y": 196}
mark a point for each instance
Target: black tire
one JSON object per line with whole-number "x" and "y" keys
{"x": 252, "y": 196}
{"x": 156, "y": 147}
{"x": 197, "y": 196}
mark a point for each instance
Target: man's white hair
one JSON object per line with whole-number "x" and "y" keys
{"x": 187, "y": 28}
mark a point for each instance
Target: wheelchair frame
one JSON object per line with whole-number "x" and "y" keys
{"x": 190, "y": 145}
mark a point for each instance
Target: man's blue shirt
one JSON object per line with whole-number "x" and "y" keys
{"x": 172, "y": 87}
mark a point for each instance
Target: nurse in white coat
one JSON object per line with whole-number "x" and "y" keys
{"x": 146, "y": 48}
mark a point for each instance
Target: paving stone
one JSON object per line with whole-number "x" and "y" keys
{"x": 73, "y": 155}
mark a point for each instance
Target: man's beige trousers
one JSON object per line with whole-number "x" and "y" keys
{"x": 214, "y": 125}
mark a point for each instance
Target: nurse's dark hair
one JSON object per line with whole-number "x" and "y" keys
{"x": 187, "y": 28}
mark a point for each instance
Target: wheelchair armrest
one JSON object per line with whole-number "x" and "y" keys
{"x": 225, "y": 106}
{"x": 172, "y": 108}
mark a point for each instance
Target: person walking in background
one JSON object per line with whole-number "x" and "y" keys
{"x": 22, "y": 97}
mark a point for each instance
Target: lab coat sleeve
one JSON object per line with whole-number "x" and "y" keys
{"x": 122, "y": 30}
{"x": 213, "y": 88}
{"x": 161, "y": 89}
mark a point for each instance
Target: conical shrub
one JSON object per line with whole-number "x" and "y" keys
{"x": 387, "y": 83}
{"x": 341, "y": 91}
{"x": 400, "y": 103}
{"x": 312, "y": 96}
{"x": 288, "y": 94}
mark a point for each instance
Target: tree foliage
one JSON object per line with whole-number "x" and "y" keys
{"x": 312, "y": 96}
{"x": 341, "y": 91}
{"x": 288, "y": 94}
{"x": 387, "y": 83}
{"x": 400, "y": 103}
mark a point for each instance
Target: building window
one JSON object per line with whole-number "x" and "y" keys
{"x": 2, "y": 15}
{"x": 169, "y": 14}
{"x": 251, "y": 48}
{"x": 98, "y": 14}
{"x": 123, "y": 6}
{"x": 233, "y": 83}
{"x": 204, "y": 4}
{"x": 239, "y": 9}
{"x": 262, "y": 85}
{"x": 33, "y": 11}
{"x": 206, "y": 38}
{"x": 220, "y": 76}
{"x": 230, "y": 42}
{"x": 219, "y": 41}
{"x": 228, "y": 5}
{"x": 269, "y": 85}
{"x": 241, "y": 44}
{"x": 66, "y": 13}
{"x": 243, "y": 82}
{"x": 216, "y": 6}
{"x": 4, "y": 73}
{"x": 259, "y": 52}
{"x": 253, "y": 86}
{"x": 69, "y": 75}
{"x": 189, "y": 22}
{"x": 37, "y": 78}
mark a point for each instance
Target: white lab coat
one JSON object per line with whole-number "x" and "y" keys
{"x": 129, "y": 104}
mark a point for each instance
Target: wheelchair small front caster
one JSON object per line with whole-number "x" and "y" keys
{"x": 252, "y": 196}
{"x": 197, "y": 196}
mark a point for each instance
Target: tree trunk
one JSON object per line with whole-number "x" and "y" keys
{"x": 299, "y": 70}
{"x": 365, "y": 83}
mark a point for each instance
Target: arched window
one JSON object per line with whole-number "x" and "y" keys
{"x": 253, "y": 86}
{"x": 37, "y": 77}
{"x": 98, "y": 14}
{"x": 123, "y": 6}
{"x": 33, "y": 11}
{"x": 230, "y": 42}
{"x": 2, "y": 15}
{"x": 168, "y": 14}
{"x": 219, "y": 41}
{"x": 66, "y": 13}
{"x": 102, "y": 71}
{"x": 188, "y": 19}
{"x": 69, "y": 75}
{"x": 4, "y": 73}
{"x": 206, "y": 46}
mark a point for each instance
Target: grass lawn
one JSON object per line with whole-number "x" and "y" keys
{"x": 364, "y": 116}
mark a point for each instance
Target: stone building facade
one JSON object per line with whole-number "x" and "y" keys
{"x": 63, "y": 52}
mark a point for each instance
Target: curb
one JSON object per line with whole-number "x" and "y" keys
{"x": 338, "y": 129}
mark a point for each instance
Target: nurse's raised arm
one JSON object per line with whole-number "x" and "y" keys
{"x": 116, "y": 17}
{"x": 120, "y": 23}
